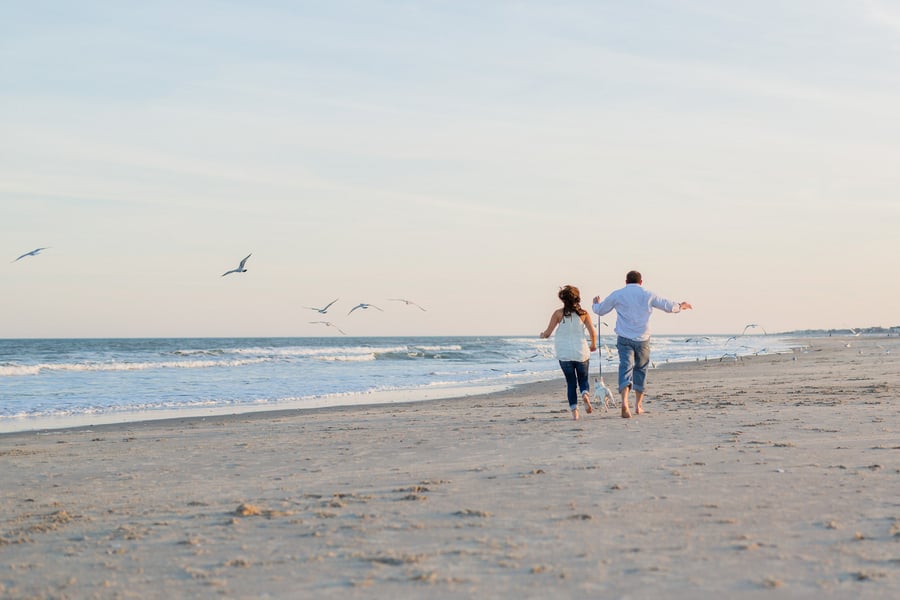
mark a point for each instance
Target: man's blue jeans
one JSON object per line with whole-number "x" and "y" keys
{"x": 576, "y": 373}
{"x": 634, "y": 358}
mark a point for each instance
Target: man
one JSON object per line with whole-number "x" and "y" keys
{"x": 634, "y": 305}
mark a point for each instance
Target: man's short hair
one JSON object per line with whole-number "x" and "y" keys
{"x": 633, "y": 277}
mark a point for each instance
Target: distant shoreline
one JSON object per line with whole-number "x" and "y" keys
{"x": 887, "y": 331}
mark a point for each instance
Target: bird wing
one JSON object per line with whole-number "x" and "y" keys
{"x": 32, "y": 253}
{"x": 241, "y": 266}
{"x": 407, "y": 302}
{"x": 329, "y": 324}
{"x": 327, "y": 306}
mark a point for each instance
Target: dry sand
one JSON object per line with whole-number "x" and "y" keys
{"x": 773, "y": 476}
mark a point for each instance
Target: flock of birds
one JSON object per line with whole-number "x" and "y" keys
{"x": 242, "y": 268}
{"x": 694, "y": 340}
{"x": 362, "y": 305}
{"x": 732, "y": 355}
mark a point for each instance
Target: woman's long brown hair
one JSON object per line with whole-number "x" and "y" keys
{"x": 571, "y": 299}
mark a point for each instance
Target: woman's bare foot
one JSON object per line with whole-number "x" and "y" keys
{"x": 586, "y": 398}
{"x": 639, "y": 409}
{"x": 626, "y": 412}
{"x": 575, "y": 414}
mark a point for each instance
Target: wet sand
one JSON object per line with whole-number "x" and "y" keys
{"x": 771, "y": 476}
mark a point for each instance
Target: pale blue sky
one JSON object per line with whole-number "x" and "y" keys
{"x": 470, "y": 156}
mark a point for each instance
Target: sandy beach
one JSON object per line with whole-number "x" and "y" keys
{"x": 771, "y": 476}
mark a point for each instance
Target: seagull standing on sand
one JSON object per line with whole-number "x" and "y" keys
{"x": 364, "y": 306}
{"x": 407, "y": 302}
{"x": 34, "y": 252}
{"x": 322, "y": 310}
{"x": 240, "y": 267}
{"x": 328, "y": 324}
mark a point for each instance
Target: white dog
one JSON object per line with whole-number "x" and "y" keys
{"x": 603, "y": 394}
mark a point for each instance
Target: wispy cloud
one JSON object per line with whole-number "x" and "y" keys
{"x": 882, "y": 14}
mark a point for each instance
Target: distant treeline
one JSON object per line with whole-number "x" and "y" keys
{"x": 848, "y": 331}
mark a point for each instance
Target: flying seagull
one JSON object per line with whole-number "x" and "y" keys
{"x": 322, "y": 310}
{"x": 407, "y": 302}
{"x": 240, "y": 268}
{"x": 34, "y": 252}
{"x": 751, "y": 326}
{"x": 363, "y": 305}
{"x": 328, "y": 324}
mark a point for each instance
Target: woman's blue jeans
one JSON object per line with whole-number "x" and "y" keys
{"x": 634, "y": 358}
{"x": 576, "y": 373}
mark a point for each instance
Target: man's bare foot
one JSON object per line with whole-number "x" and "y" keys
{"x": 586, "y": 397}
{"x": 639, "y": 403}
{"x": 626, "y": 412}
{"x": 575, "y": 414}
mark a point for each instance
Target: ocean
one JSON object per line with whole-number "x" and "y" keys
{"x": 52, "y": 383}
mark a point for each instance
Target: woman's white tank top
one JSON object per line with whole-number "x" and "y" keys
{"x": 569, "y": 341}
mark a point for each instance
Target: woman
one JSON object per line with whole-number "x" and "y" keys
{"x": 572, "y": 350}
